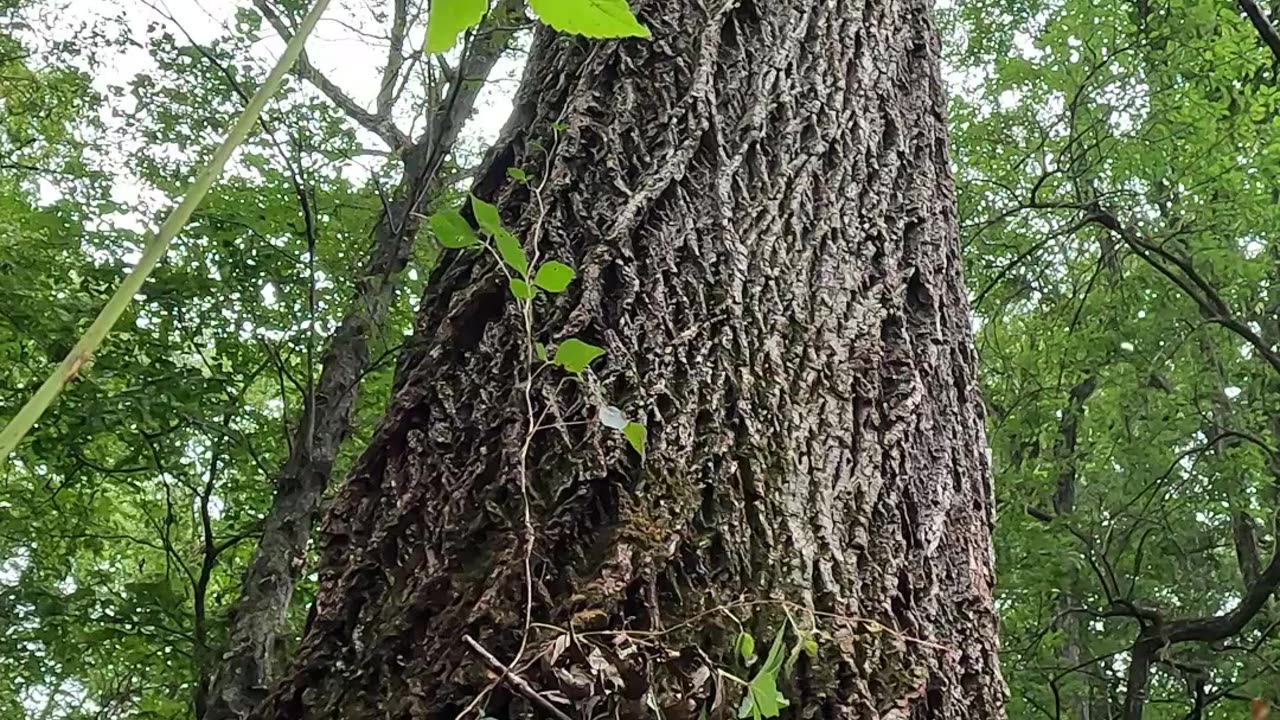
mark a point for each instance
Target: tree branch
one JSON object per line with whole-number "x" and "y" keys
{"x": 1185, "y": 277}
{"x": 395, "y": 58}
{"x": 1262, "y": 25}
{"x": 378, "y": 123}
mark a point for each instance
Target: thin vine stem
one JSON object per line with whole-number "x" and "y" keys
{"x": 533, "y": 421}
{"x": 156, "y": 246}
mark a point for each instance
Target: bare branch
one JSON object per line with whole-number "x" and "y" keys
{"x": 1263, "y": 25}
{"x": 378, "y": 123}
{"x": 395, "y": 58}
{"x": 1244, "y": 536}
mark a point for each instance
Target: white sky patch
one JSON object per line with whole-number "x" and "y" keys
{"x": 67, "y": 585}
{"x": 1025, "y": 42}
{"x": 217, "y": 507}
{"x": 12, "y": 567}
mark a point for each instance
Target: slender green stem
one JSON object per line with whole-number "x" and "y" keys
{"x": 156, "y": 246}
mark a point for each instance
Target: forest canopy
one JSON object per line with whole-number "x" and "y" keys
{"x": 168, "y": 523}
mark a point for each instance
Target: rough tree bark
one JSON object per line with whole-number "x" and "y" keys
{"x": 759, "y": 206}
{"x": 259, "y": 615}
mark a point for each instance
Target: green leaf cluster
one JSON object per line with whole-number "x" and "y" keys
{"x": 589, "y": 18}
{"x": 1105, "y": 385}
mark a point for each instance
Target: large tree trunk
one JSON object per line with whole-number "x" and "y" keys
{"x": 759, "y": 206}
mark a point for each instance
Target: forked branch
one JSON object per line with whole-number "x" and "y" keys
{"x": 379, "y": 123}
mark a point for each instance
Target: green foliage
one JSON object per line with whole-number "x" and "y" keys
{"x": 511, "y": 251}
{"x": 1168, "y": 121}
{"x": 184, "y": 412}
{"x": 156, "y": 246}
{"x": 487, "y": 215}
{"x": 762, "y": 697}
{"x": 520, "y": 289}
{"x": 1171, "y": 122}
{"x": 452, "y": 230}
{"x": 575, "y": 355}
{"x": 592, "y": 18}
{"x": 746, "y": 647}
{"x": 450, "y": 17}
{"x": 554, "y": 276}
{"x": 637, "y": 435}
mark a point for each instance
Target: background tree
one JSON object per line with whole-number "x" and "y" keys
{"x": 1118, "y": 183}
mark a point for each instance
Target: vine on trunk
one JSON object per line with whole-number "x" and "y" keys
{"x": 528, "y": 275}
{"x": 762, "y": 697}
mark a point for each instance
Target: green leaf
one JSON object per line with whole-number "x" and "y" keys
{"x": 487, "y": 215}
{"x": 810, "y": 647}
{"x": 746, "y": 647}
{"x": 511, "y": 252}
{"x": 764, "y": 694}
{"x": 746, "y": 708}
{"x": 636, "y": 434}
{"x": 452, "y": 230}
{"x": 776, "y": 654}
{"x": 521, "y": 289}
{"x": 792, "y": 658}
{"x": 540, "y": 351}
{"x": 574, "y": 355}
{"x": 517, "y": 174}
{"x": 592, "y": 18}
{"x": 554, "y": 276}
{"x": 450, "y": 17}
{"x": 159, "y": 592}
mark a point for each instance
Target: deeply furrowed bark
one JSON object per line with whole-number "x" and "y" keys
{"x": 759, "y": 207}
{"x": 258, "y": 618}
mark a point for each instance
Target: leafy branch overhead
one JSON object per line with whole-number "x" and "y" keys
{"x": 589, "y": 18}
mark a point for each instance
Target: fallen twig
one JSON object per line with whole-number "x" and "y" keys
{"x": 513, "y": 680}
